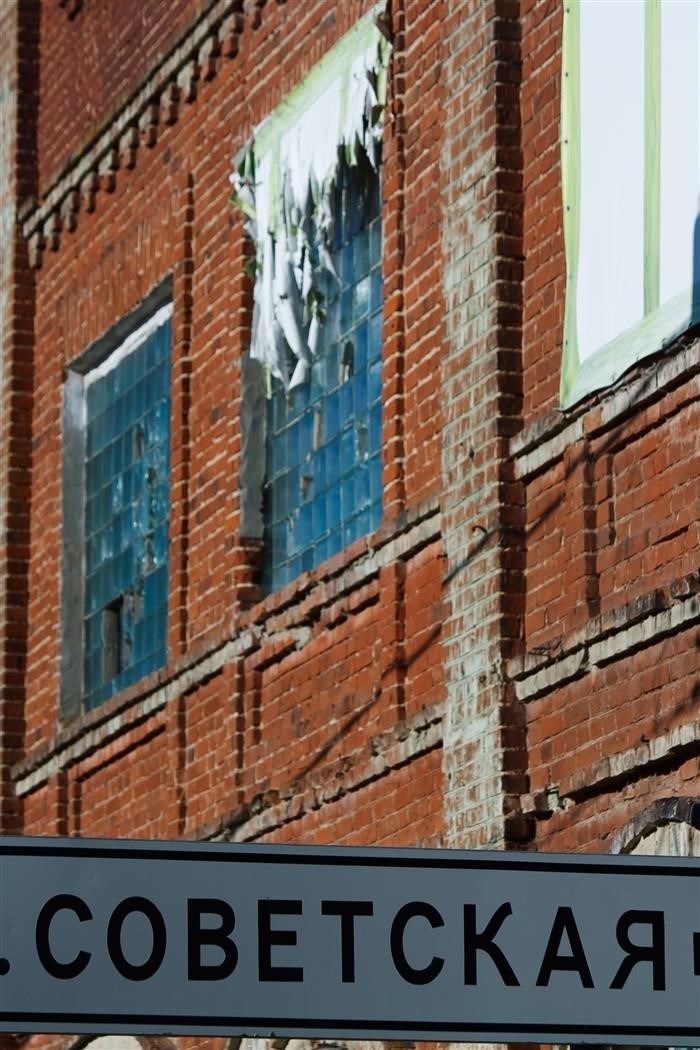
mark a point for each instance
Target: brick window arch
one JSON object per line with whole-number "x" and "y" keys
{"x": 670, "y": 827}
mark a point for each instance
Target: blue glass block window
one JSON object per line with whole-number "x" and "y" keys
{"x": 127, "y": 501}
{"x": 323, "y": 480}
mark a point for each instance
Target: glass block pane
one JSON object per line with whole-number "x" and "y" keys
{"x": 306, "y": 428}
{"x": 324, "y": 438}
{"x": 318, "y": 379}
{"x": 347, "y": 451}
{"x": 334, "y": 543}
{"x": 375, "y": 243}
{"x": 332, "y": 461}
{"x": 305, "y": 526}
{"x": 127, "y": 493}
{"x": 360, "y": 247}
{"x": 319, "y": 469}
{"x": 346, "y": 310}
{"x": 320, "y": 517}
{"x": 347, "y": 266}
{"x": 349, "y": 531}
{"x": 331, "y": 422}
{"x": 375, "y": 427}
{"x": 347, "y": 498}
{"x": 363, "y": 522}
{"x": 374, "y": 346}
{"x": 375, "y": 479}
{"x": 360, "y": 303}
{"x": 362, "y": 488}
{"x": 332, "y": 366}
{"x": 360, "y": 347}
{"x": 333, "y": 514}
{"x": 345, "y": 402}
{"x": 376, "y": 293}
{"x": 359, "y": 383}
{"x": 374, "y": 382}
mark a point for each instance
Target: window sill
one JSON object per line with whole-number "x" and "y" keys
{"x": 545, "y": 440}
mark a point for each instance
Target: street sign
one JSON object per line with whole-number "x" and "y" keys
{"x": 185, "y": 938}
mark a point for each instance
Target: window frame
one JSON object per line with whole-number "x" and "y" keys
{"x": 73, "y": 497}
{"x": 318, "y": 403}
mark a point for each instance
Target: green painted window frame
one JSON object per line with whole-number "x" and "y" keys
{"x": 661, "y": 323}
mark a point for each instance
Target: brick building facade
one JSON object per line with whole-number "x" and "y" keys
{"x": 504, "y": 652}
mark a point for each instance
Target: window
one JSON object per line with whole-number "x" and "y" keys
{"x": 630, "y": 170}
{"x": 309, "y": 186}
{"x": 323, "y": 479}
{"x": 116, "y": 506}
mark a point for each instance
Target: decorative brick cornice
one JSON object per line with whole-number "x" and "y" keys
{"x": 155, "y": 106}
{"x": 638, "y": 624}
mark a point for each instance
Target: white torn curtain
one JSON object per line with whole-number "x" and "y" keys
{"x": 284, "y": 182}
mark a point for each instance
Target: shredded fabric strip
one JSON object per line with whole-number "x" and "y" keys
{"x": 284, "y": 182}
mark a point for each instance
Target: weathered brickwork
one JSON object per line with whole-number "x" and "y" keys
{"x": 481, "y": 382}
{"x": 510, "y": 660}
{"x": 609, "y": 667}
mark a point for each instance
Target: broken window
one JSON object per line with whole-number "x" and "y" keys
{"x": 323, "y": 470}
{"x": 310, "y": 187}
{"x": 117, "y": 418}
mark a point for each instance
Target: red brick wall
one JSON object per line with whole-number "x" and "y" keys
{"x": 608, "y": 672}
{"x": 306, "y": 714}
{"x": 93, "y": 56}
{"x": 543, "y": 242}
{"x": 19, "y": 26}
{"x": 511, "y": 659}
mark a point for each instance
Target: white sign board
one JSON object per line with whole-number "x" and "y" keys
{"x": 131, "y": 937}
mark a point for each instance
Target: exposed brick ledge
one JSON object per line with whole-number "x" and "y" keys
{"x": 276, "y": 624}
{"x": 545, "y": 441}
{"x": 608, "y": 637}
{"x": 614, "y": 771}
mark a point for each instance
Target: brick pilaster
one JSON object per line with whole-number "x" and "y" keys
{"x": 484, "y": 762}
{"x": 19, "y": 33}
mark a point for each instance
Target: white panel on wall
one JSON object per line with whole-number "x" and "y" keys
{"x": 611, "y": 233}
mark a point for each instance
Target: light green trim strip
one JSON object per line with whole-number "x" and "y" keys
{"x": 661, "y": 323}
{"x": 571, "y": 189}
{"x": 330, "y": 67}
{"x": 651, "y": 334}
{"x": 652, "y": 152}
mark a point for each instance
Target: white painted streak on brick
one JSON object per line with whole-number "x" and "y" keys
{"x": 472, "y": 762}
{"x": 549, "y": 450}
{"x": 645, "y": 633}
{"x": 555, "y": 674}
